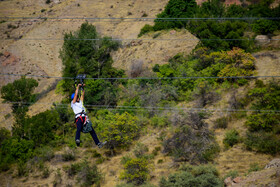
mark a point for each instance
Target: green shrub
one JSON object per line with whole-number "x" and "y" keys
{"x": 221, "y": 123}
{"x": 69, "y": 154}
{"x": 46, "y": 153}
{"x": 159, "y": 121}
{"x": 89, "y": 175}
{"x": 91, "y": 57}
{"x": 19, "y": 92}
{"x": 187, "y": 145}
{"x": 73, "y": 169}
{"x": 46, "y": 172}
{"x": 48, "y": 1}
{"x": 118, "y": 129}
{"x": 254, "y": 167}
{"x": 22, "y": 169}
{"x": 264, "y": 26}
{"x": 262, "y": 121}
{"x": 156, "y": 150}
{"x": 264, "y": 97}
{"x": 140, "y": 150}
{"x": 57, "y": 178}
{"x": 14, "y": 149}
{"x": 193, "y": 176}
{"x": 42, "y": 127}
{"x": 136, "y": 171}
{"x": 4, "y": 134}
{"x": 147, "y": 28}
{"x": 132, "y": 185}
{"x": 231, "y": 138}
{"x": 263, "y": 142}
{"x": 232, "y": 174}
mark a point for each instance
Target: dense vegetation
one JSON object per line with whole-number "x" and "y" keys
{"x": 138, "y": 105}
{"x": 193, "y": 176}
{"x": 91, "y": 57}
{"x": 263, "y": 123}
{"x": 218, "y": 35}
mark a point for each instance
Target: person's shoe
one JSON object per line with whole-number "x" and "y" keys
{"x": 101, "y": 144}
{"x": 78, "y": 142}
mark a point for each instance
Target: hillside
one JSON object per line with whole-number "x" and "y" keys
{"x": 37, "y": 52}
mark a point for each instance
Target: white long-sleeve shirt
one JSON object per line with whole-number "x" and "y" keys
{"x": 78, "y": 107}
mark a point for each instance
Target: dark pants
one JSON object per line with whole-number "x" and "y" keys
{"x": 79, "y": 124}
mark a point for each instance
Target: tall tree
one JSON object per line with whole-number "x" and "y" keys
{"x": 20, "y": 94}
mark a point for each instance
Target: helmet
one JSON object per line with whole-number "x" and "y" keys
{"x": 72, "y": 96}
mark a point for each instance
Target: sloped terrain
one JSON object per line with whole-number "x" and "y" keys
{"x": 41, "y": 57}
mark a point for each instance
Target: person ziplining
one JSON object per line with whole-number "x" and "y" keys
{"x": 82, "y": 121}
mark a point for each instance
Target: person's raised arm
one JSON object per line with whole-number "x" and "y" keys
{"x": 83, "y": 94}
{"x": 76, "y": 94}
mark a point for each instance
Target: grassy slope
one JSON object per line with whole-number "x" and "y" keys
{"x": 46, "y": 57}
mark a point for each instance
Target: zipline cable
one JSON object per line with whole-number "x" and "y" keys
{"x": 138, "y": 39}
{"x": 150, "y": 107}
{"x": 140, "y": 78}
{"x": 140, "y": 18}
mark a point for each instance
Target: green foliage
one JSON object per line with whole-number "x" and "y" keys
{"x": 132, "y": 185}
{"x": 175, "y": 9}
{"x": 91, "y": 57}
{"x": 45, "y": 153}
{"x": 101, "y": 92}
{"x": 263, "y": 142}
{"x": 231, "y": 138}
{"x": 232, "y": 174}
{"x": 41, "y": 127}
{"x": 4, "y": 134}
{"x": 204, "y": 63}
{"x": 221, "y": 123}
{"x": 73, "y": 169}
{"x": 186, "y": 143}
{"x": 160, "y": 121}
{"x": 156, "y": 150}
{"x": 118, "y": 129}
{"x": 89, "y": 175}
{"x": 264, "y": 26}
{"x": 145, "y": 29}
{"x": 214, "y": 32}
{"x": 264, "y": 130}
{"x": 57, "y": 178}
{"x": 20, "y": 92}
{"x": 69, "y": 154}
{"x": 263, "y": 121}
{"x": 265, "y": 97}
{"x": 254, "y": 167}
{"x": 193, "y": 176}
{"x": 136, "y": 171}
{"x": 46, "y": 172}
{"x": 22, "y": 169}
{"x": 146, "y": 94}
{"x": 14, "y": 149}
{"x": 140, "y": 150}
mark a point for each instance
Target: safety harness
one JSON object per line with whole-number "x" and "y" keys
{"x": 81, "y": 116}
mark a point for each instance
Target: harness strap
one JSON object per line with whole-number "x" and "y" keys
{"x": 80, "y": 117}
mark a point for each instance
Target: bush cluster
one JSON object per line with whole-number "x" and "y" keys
{"x": 205, "y": 176}
{"x": 136, "y": 170}
{"x": 214, "y": 32}
{"x": 91, "y": 57}
{"x": 192, "y": 141}
{"x": 231, "y": 138}
{"x": 204, "y": 63}
{"x": 87, "y": 174}
{"x": 264, "y": 127}
{"x": 117, "y": 129}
